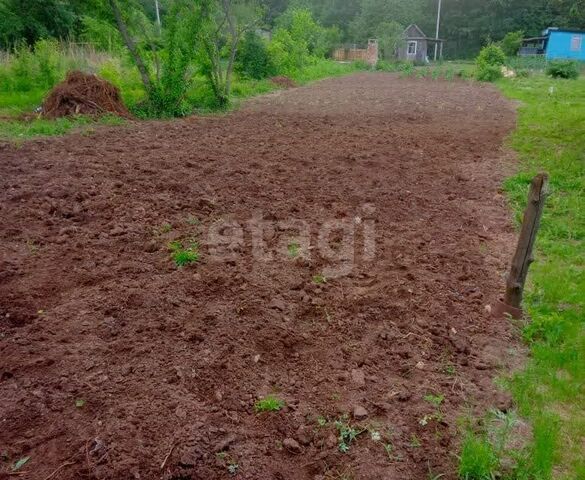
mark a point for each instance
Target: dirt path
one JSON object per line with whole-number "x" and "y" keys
{"x": 165, "y": 361}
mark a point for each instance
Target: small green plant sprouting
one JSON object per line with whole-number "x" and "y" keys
{"x": 436, "y": 400}
{"x": 321, "y": 421}
{"x": 415, "y": 441}
{"x": 79, "y": 403}
{"x": 269, "y": 403}
{"x": 319, "y": 279}
{"x": 450, "y": 370}
{"x": 293, "y": 249}
{"x": 347, "y": 434}
{"x": 183, "y": 256}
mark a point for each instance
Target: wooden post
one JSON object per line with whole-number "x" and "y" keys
{"x": 530, "y": 225}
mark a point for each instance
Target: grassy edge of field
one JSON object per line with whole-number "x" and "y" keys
{"x": 17, "y": 130}
{"x": 549, "y": 392}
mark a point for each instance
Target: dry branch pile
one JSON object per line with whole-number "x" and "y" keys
{"x": 84, "y": 94}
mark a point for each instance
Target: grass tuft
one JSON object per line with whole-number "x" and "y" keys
{"x": 269, "y": 403}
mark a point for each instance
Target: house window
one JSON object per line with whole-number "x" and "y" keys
{"x": 412, "y": 48}
{"x": 576, "y": 43}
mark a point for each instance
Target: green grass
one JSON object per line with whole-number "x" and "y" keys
{"x": 550, "y": 391}
{"x": 269, "y": 403}
{"x": 17, "y": 130}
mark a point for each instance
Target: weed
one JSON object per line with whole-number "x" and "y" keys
{"x": 182, "y": 255}
{"x": 293, "y": 249}
{"x": 347, "y": 434}
{"x": 436, "y": 400}
{"x": 193, "y": 221}
{"x": 319, "y": 279}
{"x": 415, "y": 441}
{"x": 269, "y": 403}
{"x": 322, "y": 421}
{"x": 450, "y": 370}
{"x": 79, "y": 403}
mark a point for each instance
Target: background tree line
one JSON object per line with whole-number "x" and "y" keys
{"x": 467, "y": 24}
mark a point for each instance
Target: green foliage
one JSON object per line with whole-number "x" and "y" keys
{"x": 29, "y": 21}
{"x": 347, "y": 434}
{"x": 101, "y": 34}
{"x": 511, "y": 43}
{"x": 491, "y": 54}
{"x": 319, "y": 279}
{"x": 269, "y": 403}
{"x": 389, "y": 35}
{"x": 478, "y": 460}
{"x": 253, "y": 60}
{"x": 488, "y": 73}
{"x": 563, "y": 69}
{"x": 184, "y": 255}
{"x": 287, "y": 55}
{"x": 489, "y": 63}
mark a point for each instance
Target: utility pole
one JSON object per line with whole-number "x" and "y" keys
{"x": 438, "y": 29}
{"x": 158, "y": 18}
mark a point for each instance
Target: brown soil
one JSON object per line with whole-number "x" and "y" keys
{"x": 170, "y": 362}
{"x": 283, "y": 82}
{"x": 83, "y": 94}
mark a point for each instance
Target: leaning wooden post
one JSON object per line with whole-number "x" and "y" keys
{"x": 523, "y": 257}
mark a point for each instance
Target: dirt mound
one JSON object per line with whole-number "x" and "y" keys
{"x": 84, "y": 94}
{"x": 283, "y": 81}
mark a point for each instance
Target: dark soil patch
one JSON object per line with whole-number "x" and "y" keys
{"x": 84, "y": 94}
{"x": 283, "y": 82}
{"x": 170, "y": 362}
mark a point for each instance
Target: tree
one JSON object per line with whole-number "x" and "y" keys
{"x": 512, "y": 42}
{"x": 31, "y": 20}
{"x": 224, "y": 24}
{"x": 166, "y": 77}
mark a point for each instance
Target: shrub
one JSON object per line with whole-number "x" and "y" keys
{"x": 48, "y": 58}
{"x": 488, "y": 73}
{"x": 491, "y": 54}
{"x": 563, "y": 69}
{"x": 253, "y": 60}
{"x": 511, "y": 43}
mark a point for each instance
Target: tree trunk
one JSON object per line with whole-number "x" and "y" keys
{"x": 147, "y": 82}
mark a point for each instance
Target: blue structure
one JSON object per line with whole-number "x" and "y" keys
{"x": 556, "y": 43}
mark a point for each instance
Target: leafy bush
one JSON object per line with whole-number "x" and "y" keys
{"x": 287, "y": 55}
{"x": 253, "y": 60}
{"x": 511, "y": 43}
{"x": 491, "y": 54}
{"x": 563, "y": 69}
{"x": 488, "y": 73}
{"x": 489, "y": 63}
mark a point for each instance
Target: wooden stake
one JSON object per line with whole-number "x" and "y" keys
{"x": 530, "y": 225}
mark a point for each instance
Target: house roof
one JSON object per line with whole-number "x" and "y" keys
{"x": 414, "y": 32}
{"x": 550, "y": 30}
